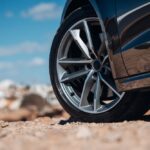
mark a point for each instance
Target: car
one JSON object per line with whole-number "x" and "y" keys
{"x": 100, "y": 59}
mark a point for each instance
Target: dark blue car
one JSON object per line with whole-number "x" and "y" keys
{"x": 100, "y": 59}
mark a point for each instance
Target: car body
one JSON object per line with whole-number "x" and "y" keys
{"x": 126, "y": 28}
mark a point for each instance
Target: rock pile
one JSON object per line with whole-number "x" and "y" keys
{"x": 19, "y": 102}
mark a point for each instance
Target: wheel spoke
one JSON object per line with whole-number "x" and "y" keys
{"x": 105, "y": 59}
{"x": 89, "y": 37}
{"x": 102, "y": 46}
{"x": 101, "y": 49}
{"x": 73, "y": 61}
{"x": 86, "y": 89}
{"x": 97, "y": 94}
{"x": 76, "y": 36}
{"x": 110, "y": 85}
{"x": 71, "y": 77}
{"x": 107, "y": 68}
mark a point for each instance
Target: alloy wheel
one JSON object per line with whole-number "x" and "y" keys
{"x": 83, "y": 69}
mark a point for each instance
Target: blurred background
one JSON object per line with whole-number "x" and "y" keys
{"x": 27, "y": 28}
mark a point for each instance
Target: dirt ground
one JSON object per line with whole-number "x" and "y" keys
{"x": 47, "y": 133}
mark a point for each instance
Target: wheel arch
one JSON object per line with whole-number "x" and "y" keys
{"x": 104, "y": 12}
{"x": 72, "y": 5}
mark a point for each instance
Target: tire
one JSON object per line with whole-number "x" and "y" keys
{"x": 125, "y": 109}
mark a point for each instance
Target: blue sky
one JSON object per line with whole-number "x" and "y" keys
{"x": 27, "y": 28}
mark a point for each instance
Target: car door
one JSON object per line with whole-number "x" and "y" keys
{"x": 133, "y": 19}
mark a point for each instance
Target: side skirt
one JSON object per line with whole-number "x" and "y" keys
{"x": 134, "y": 82}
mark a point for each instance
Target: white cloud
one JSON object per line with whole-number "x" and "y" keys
{"x": 25, "y": 47}
{"x": 17, "y": 65}
{"x": 43, "y": 11}
{"x": 37, "y": 62}
{"x": 9, "y": 14}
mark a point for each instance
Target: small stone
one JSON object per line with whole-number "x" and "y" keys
{"x": 125, "y": 122}
{"x": 113, "y": 137}
{"x": 83, "y": 133}
{"x": 4, "y": 133}
{"x": 3, "y": 124}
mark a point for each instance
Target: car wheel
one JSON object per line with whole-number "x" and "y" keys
{"x": 81, "y": 74}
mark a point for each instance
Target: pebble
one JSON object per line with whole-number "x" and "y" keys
{"x": 113, "y": 137}
{"x": 83, "y": 133}
{"x": 3, "y": 124}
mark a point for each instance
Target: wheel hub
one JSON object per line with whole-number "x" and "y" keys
{"x": 96, "y": 65}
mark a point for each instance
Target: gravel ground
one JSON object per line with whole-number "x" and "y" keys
{"x": 57, "y": 133}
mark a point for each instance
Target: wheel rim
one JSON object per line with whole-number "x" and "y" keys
{"x": 84, "y": 71}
